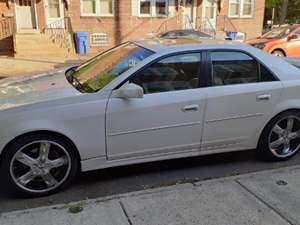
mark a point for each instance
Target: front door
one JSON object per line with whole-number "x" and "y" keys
{"x": 54, "y": 12}
{"x": 189, "y": 14}
{"x": 25, "y": 14}
{"x": 209, "y": 19}
{"x": 169, "y": 117}
{"x": 241, "y": 100}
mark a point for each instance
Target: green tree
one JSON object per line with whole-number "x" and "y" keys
{"x": 286, "y": 11}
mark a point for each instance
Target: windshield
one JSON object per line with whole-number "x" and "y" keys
{"x": 95, "y": 74}
{"x": 277, "y": 33}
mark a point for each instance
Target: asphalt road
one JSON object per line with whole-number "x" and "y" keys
{"x": 144, "y": 176}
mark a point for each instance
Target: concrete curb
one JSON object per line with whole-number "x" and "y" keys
{"x": 180, "y": 186}
{"x": 9, "y": 80}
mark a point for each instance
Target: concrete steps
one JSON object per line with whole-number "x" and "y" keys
{"x": 43, "y": 46}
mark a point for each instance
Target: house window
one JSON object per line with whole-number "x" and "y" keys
{"x": 161, "y": 7}
{"x": 99, "y": 39}
{"x": 106, "y": 7}
{"x": 241, "y": 8}
{"x": 89, "y": 7}
{"x": 97, "y": 7}
{"x": 145, "y": 7}
{"x": 153, "y": 7}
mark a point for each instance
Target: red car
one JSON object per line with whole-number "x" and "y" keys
{"x": 282, "y": 41}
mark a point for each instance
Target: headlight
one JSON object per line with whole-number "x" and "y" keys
{"x": 260, "y": 46}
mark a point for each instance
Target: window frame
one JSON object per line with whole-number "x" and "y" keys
{"x": 98, "y": 10}
{"x": 241, "y": 9}
{"x": 152, "y": 9}
{"x": 258, "y": 62}
{"x": 202, "y": 69}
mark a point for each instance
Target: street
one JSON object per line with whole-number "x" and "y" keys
{"x": 121, "y": 180}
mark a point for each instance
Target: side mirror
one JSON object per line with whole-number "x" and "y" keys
{"x": 129, "y": 90}
{"x": 292, "y": 37}
{"x": 69, "y": 72}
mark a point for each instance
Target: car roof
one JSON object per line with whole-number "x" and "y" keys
{"x": 185, "y": 30}
{"x": 186, "y": 44}
{"x": 282, "y": 69}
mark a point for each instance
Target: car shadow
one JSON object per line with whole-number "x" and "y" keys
{"x": 124, "y": 179}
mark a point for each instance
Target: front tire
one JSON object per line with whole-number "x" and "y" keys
{"x": 39, "y": 165}
{"x": 278, "y": 53}
{"x": 280, "y": 139}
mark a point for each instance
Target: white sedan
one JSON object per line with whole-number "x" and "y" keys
{"x": 146, "y": 101}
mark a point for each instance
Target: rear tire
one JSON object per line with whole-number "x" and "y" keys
{"x": 280, "y": 139}
{"x": 39, "y": 165}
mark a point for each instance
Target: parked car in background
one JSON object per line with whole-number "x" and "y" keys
{"x": 146, "y": 101}
{"x": 184, "y": 34}
{"x": 281, "y": 41}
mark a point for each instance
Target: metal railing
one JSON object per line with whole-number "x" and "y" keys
{"x": 61, "y": 32}
{"x": 207, "y": 27}
{"x": 227, "y": 24}
{"x": 188, "y": 24}
{"x": 163, "y": 26}
{"x": 7, "y": 27}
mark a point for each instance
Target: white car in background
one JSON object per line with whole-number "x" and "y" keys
{"x": 146, "y": 101}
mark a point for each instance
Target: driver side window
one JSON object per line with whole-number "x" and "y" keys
{"x": 173, "y": 73}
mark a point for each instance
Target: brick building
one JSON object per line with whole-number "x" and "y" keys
{"x": 32, "y": 25}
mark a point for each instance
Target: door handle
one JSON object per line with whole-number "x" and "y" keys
{"x": 263, "y": 97}
{"x": 188, "y": 108}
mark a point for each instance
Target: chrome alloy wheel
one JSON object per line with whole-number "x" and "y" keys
{"x": 40, "y": 166}
{"x": 284, "y": 138}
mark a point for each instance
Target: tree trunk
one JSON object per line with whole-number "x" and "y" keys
{"x": 283, "y": 14}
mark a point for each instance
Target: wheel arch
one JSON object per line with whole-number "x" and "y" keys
{"x": 45, "y": 132}
{"x": 279, "y": 49}
{"x": 272, "y": 118}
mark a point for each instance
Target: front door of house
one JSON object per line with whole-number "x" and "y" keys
{"x": 209, "y": 13}
{"x": 54, "y": 12}
{"x": 25, "y": 14}
{"x": 188, "y": 14}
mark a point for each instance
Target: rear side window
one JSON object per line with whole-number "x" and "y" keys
{"x": 237, "y": 68}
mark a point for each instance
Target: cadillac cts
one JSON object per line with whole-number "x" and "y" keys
{"x": 145, "y": 101}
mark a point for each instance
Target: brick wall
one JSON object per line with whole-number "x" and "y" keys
{"x": 251, "y": 26}
{"x": 6, "y": 8}
{"x": 122, "y": 27}
{"x": 40, "y": 14}
{"x": 6, "y": 44}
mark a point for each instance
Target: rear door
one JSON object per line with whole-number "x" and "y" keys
{"x": 242, "y": 95}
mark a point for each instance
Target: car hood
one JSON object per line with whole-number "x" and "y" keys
{"x": 260, "y": 41}
{"x": 23, "y": 91}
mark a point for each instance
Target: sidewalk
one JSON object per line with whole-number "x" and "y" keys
{"x": 263, "y": 198}
{"x": 11, "y": 67}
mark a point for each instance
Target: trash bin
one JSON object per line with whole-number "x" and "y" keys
{"x": 231, "y": 35}
{"x": 81, "y": 39}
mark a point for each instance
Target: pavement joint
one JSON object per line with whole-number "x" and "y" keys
{"x": 125, "y": 212}
{"x": 273, "y": 208}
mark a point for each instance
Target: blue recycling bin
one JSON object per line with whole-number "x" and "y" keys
{"x": 231, "y": 34}
{"x": 81, "y": 39}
